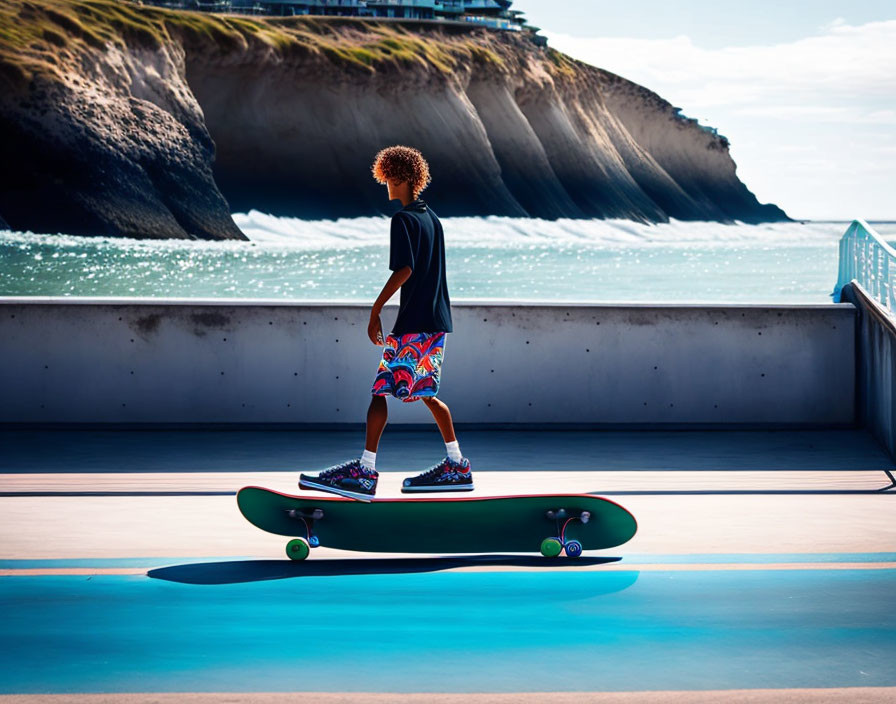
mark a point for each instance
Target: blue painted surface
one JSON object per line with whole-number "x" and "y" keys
{"x": 450, "y": 631}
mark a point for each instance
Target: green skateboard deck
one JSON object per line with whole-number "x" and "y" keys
{"x": 549, "y": 523}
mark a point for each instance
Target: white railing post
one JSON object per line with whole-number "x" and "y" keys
{"x": 876, "y": 266}
{"x": 892, "y": 289}
{"x": 886, "y": 287}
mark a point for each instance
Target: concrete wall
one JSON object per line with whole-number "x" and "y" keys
{"x": 876, "y": 340}
{"x": 185, "y": 361}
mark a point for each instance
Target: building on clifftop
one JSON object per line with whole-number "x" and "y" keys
{"x": 490, "y": 13}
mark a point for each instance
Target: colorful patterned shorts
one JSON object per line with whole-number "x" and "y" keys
{"x": 409, "y": 369}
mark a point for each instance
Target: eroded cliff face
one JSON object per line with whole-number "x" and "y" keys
{"x": 146, "y": 132}
{"x": 525, "y": 132}
{"x": 104, "y": 139}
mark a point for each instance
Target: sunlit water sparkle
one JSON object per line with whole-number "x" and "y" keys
{"x": 487, "y": 258}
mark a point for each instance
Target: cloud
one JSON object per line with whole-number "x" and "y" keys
{"x": 822, "y": 113}
{"x": 841, "y": 69}
{"x": 880, "y": 117}
{"x": 810, "y": 121}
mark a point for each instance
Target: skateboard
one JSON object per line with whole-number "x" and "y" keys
{"x": 549, "y": 523}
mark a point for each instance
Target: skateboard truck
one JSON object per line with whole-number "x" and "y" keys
{"x": 312, "y": 513}
{"x": 551, "y": 547}
{"x": 307, "y": 516}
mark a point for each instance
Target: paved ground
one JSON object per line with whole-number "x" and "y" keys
{"x": 44, "y": 516}
{"x": 770, "y": 555}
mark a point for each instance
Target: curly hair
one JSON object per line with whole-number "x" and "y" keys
{"x": 402, "y": 164}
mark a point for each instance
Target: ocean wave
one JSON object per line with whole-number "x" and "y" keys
{"x": 498, "y": 232}
{"x": 487, "y": 258}
{"x": 271, "y": 232}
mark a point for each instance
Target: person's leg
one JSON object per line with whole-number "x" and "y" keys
{"x": 452, "y": 473}
{"x": 356, "y": 479}
{"x": 443, "y": 417}
{"x": 377, "y": 415}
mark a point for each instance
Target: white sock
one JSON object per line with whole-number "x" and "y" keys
{"x": 368, "y": 459}
{"x": 453, "y": 451}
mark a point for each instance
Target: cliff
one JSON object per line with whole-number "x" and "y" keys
{"x": 141, "y": 122}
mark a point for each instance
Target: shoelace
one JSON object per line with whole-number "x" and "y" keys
{"x": 337, "y": 469}
{"x": 432, "y": 471}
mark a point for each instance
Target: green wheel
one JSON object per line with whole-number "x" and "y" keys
{"x": 297, "y": 549}
{"x": 551, "y": 547}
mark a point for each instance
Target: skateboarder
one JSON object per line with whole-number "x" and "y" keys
{"x": 412, "y": 354}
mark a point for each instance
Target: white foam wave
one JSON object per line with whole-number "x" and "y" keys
{"x": 272, "y": 234}
{"x": 506, "y": 232}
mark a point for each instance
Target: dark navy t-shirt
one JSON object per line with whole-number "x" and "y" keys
{"x": 417, "y": 241}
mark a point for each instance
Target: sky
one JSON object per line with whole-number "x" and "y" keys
{"x": 805, "y": 90}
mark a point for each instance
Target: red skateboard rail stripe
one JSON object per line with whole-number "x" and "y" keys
{"x": 424, "y": 499}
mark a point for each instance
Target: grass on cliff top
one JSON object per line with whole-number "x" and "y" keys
{"x": 561, "y": 62}
{"x": 36, "y": 34}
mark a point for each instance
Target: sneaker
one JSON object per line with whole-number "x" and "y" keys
{"x": 349, "y": 479}
{"x": 447, "y": 475}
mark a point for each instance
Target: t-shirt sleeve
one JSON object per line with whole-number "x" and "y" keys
{"x": 401, "y": 250}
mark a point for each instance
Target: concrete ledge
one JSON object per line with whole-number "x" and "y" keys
{"x": 176, "y": 361}
{"x": 875, "y": 365}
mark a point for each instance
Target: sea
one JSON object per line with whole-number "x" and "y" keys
{"x": 488, "y": 258}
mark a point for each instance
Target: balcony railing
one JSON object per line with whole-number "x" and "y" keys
{"x": 867, "y": 258}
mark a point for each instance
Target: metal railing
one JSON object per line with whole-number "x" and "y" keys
{"x": 867, "y": 258}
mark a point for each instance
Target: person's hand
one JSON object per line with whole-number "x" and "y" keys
{"x": 375, "y": 331}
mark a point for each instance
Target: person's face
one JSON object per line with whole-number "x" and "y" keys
{"x": 396, "y": 188}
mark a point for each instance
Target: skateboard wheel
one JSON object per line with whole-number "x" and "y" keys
{"x": 297, "y": 549}
{"x": 314, "y": 541}
{"x": 551, "y": 547}
{"x": 573, "y": 548}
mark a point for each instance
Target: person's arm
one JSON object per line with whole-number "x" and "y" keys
{"x": 375, "y": 327}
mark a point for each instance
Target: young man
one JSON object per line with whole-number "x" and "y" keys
{"x": 412, "y": 354}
